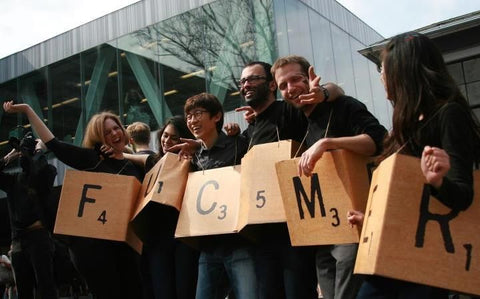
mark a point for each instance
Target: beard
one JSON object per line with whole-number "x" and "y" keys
{"x": 261, "y": 93}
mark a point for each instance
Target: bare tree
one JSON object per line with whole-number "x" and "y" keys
{"x": 224, "y": 33}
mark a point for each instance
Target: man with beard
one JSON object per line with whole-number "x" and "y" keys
{"x": 342, "y": 124}
{"x": 274, "y": 120}
{"x": 282, "y": 271}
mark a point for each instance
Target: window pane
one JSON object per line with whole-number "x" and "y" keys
{"x": 66, "y": 94}
{"x": 456, "y": 72}
{"x": 343, "y": 60}
{"x": 8, "y": 122}
{"x": 472, "y": 70}
{"x": 473, "y": 93}
{"x": 361, "y": 75}
{"x": 298, "y": 29}
{"x": 323, "y": 52}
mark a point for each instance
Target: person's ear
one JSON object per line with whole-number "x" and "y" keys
{"x": 272, "y": 85}
{"x": 217, "y": 117}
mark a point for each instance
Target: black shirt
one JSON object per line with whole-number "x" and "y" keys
{"x": 28, "y": 194}
{"x": 227, "y": 151}
{"x": 89, "y": 160}
{"x": 290, "y": 122}
{"x": 349, "y": 117}
{"x": 450, "y": 128}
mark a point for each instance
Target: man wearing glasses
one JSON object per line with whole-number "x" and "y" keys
{"x": 282, "y": 271}
{"x": 275, "y": 120}
{"x": 226, "y": 261}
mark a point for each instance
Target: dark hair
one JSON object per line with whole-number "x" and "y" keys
{"x": 208, "y": 102}
{"x": 180, "y": 126}
{"x": 417, "y": 83}
{"x": 27, "y": 144}
{"x": 266, "y": 68}
{"x": 183, "y": 132}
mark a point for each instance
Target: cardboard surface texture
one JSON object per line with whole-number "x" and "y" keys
{"x": 98, "y": 205}
{"x": 164, "y": 183}
{"x": 402, "y": 237}
{"x": 316, "y": 206}
{"x": 259, "y": 181}
{"x": 211, "y": 203}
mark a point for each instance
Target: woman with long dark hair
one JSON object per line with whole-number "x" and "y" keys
{"x": 169, "y": 135}
{"x": 432, "y": 121}
{"x": 169, "y": 267}
{"x": 431, "y": 117}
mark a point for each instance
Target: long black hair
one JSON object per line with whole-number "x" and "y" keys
{"x": 417, "y": 84}
{"x": 180, "y": 125}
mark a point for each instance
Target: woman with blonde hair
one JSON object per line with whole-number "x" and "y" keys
{"x": 110, "y": 268}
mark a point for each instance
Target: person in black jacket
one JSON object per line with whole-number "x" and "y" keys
{"x": 111, "y": 268}
{"x": 431, "y": 121}
{"x": 28, "y": 200}
{"x": 341, "y": 124}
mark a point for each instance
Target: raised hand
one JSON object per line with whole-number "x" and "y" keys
{"x": 310, "y": 157}
{"x": 315, "y": 94}
{"x": 187, "y": 148}
{"x": 355, "y": 217}
{"x": 232, "y": 129}
{"x": 10, "y": 107}
{"x": 249, "y": 114}
{"x": 435, "y": 164}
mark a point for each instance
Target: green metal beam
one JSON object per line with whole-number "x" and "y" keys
{"x": 29, "y": 96}
{"x": 150, "y": 88}
{"x": 96, "y": 89}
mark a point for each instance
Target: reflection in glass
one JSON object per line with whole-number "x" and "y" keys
{"x": 147, "y": 75}
{"x": 204, "y": 50}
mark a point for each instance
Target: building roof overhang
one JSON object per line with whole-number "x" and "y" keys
{"x": 457, "y": 38}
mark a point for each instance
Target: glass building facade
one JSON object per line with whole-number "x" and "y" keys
{"x": 147, "y": 74}
{"x": 458, "y": 39}
{"x": 467, "y": 75}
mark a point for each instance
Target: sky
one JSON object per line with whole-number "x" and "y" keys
{"x": 24, "y": 23}
{"x": 391, "y": 17}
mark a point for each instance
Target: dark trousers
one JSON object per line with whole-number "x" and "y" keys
{"x": 169, "y": 269}
{"x": 32, "y": 262}
{"x": 110, "y": 268}
{"x": 284, "y": 271}
{"x": 377, "y": 287}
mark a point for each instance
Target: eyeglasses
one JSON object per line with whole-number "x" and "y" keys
{"x": 197, "y": 115}
{"x": 251, "y": 79}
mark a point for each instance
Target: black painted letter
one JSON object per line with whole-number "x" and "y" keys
{"x": 442, "y": 220}
{"x": 85, "y": 199}
{"x": 150, "y": 182}
{"x": 310, "y": 203}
